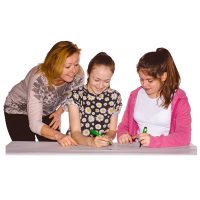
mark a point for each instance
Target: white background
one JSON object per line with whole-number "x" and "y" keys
{"x": 125, "y": 29}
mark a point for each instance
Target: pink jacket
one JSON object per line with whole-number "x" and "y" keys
{"x": 180, "y": 128}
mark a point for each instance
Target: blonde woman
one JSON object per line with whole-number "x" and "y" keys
{"x": 34, "y": 106}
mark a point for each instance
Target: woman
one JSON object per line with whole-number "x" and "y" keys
{"x": 94, "y": 107}
{"x": 159, "y": 107}
{"x": 34, "y": 106}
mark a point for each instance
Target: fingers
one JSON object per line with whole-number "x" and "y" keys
{"x": 101, "y": 141}
{"x": 67, "y": 141}
{"x": 56, "y": 125}
{"x": 125, "y": 138}
{"x": 56, "y": 121}
{"x": 144, "y": 139}
{"x": 51, "y": 116}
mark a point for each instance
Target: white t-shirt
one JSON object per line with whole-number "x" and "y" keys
{"x": 149, "y": 112}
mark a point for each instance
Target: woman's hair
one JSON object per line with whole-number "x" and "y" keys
{"x": 155, "y": 64}
{"x": 101, "y": 59}
{"x": 54, "y": 62}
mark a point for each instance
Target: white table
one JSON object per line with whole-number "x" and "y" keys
{"x": 19, "y": 147}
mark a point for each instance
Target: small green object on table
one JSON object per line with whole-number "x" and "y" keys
{"x": 96, "y": 133}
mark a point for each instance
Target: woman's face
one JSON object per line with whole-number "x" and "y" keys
{"x": 99, "y": 79}
{"x": 71, "y": 68}
{"x": 151, "y": 85}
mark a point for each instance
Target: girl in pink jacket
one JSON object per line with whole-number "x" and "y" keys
{"x": 159, "y": 104}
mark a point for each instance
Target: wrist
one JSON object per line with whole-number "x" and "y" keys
{"x": 58, "y": 136}
{"x": 91, "y": 142}
{"x": 60, "y": 110}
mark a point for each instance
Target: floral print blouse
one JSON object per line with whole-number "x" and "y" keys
{"x": 95, "y": 110}
{"x": 35, "y": 98}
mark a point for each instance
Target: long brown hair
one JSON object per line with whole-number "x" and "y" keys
{"x": 155, "y": 64}
{"x": 54, "y": 62}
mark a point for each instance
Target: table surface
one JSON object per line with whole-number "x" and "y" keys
{"x": 23, "y": 147}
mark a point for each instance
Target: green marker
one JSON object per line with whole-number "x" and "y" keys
{"x": 144, "y": 131}
{"x": 96, "y": 133}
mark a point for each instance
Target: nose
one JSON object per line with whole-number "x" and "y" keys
{"x": 101, "y": 85}
{"x": 144, "y": 83}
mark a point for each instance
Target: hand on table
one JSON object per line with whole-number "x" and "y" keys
{"x": 126, "y": 138}
{"x": 102, "y": 141}
{"x": 66, "y": 141}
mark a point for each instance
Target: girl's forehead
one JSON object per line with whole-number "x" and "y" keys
{"x": 97, "y": 68}
{"x": 143, "y": 73}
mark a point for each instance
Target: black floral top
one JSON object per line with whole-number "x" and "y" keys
{"x": 95, "y": 110}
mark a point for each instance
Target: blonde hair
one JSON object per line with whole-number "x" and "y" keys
{"x": 54, "y": 62}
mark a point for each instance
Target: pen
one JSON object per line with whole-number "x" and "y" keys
{"x": 144, "y": 131}
{"x": 96, "y": 133}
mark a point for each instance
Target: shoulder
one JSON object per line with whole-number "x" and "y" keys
{"x": 77, "y": 91}
{"x": 180, "y": 94}
{"x": 113, "y": 91}
{"x": 134, "y": 93}
{"x": 35, "y": 73}
{"x": 35, "y": 77}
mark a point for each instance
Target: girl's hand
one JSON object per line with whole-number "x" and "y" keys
{"x": 125, "y": 138}
{"x": 144, "y": 139}
{"x": 66, "y": 141}
{"x": 102, "y": 141}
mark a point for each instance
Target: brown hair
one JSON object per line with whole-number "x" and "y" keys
{"x": 54, "y": 62}
{"x": 155, "y": 64}
{"x": 101, "y": 59}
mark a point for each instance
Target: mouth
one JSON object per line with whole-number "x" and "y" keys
{"x": 147, "y": 90}
{"x": 99, "y": 90}
{"x": 70, "y": 76}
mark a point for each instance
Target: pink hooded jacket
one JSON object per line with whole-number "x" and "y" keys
{"x": 180, "y": 128}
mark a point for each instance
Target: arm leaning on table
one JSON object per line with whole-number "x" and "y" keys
{"x": 62, "y": 139}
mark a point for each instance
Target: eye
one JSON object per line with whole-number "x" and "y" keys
{"x": 67, "y": 66}
{"x": 150, "y": 80}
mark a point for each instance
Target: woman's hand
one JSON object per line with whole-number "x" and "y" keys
{"x": 126, "y": 138}
{"x": 66, "y": 141}
{"x": 56, "y": 121}
{"x": 102, "y": 141}
{"x": 144, "y": 139}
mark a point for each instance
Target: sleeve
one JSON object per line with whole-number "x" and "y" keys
{"x": 71, "y": 99}
{"x": 180, "y": 130}
{"x": 35, "y": 103}
{"x": 118, "y": 104}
